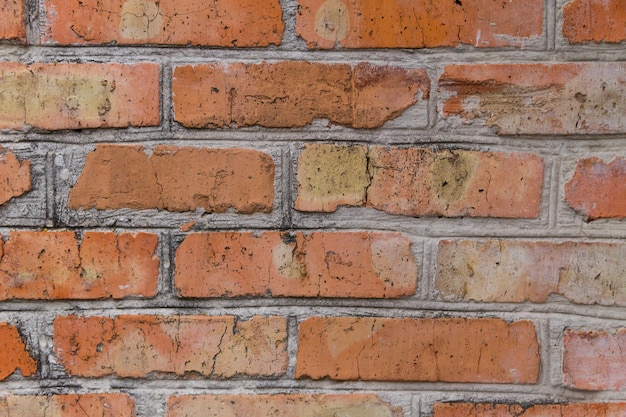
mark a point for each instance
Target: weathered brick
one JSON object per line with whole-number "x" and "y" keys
{"x": 292, "y": 94}
{"x": 594, "y": 360}
{"x": 596, "y": 21}
{"x": 136, "y": 346}
{"x": 77, "y": 96}
{"x": 14, "y": 176}
{"x": 68, "y": 405}
{"x": 324, "y": 264}
{"x": 598, "y": 190}
{"x": 235, "y": 23}
{"x": 295, "y": 405}
{"x": 538, "y": 99}
{"x": 53, "y": 265}
{"x": 417, "y": 24}
{"x": 520, "y": 271}
{"x": 175, "y": 179}
{"x": 13, "y": 353}
{"x": 12, "y": 21}
{"x": 519, "y": 410}
{"x": 419, "y": 182}
{"x": 389, "y": 349}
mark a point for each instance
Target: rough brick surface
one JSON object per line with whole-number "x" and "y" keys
{"x": 520, "y": 271}
{"x": 68, "y": 405}
{"x": 76, "y": 96}
{"x": 53, "y": 265}
{"x": 419, "y": 182}
{"x": 598, "y": 190}
{"x": 539, "y": 410}
{"x": 451, "y": 350}
{"x": 594, "y": 360}
{"x": 292, "y": 94}
{"x": 240, "y": 23}
{"x": 13, "y": 354}
{"x": 417, "y": 24}
{"x": 136, "y": 346}
{"x": 297, "y": 405}
{"x": 564, "y": 98}
{"x": 12, "y": 22}
{"x": 357, "y": 264}
{"x": 596, "y": 21}
{"x": 175, "y": 179}
{"x": 14, "y": 176}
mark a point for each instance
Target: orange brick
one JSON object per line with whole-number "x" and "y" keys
{"x": 598, "y": 190}
{"x": 136, "y": 346}
{"x": 53, "y": 265}
{"x": 420, "y": 182}
{"x": 520, "y": 271}
{"x": 234, "y": 23}
{"x": 389, "y": 349}
{"x": 537, "y": 99}
{"x": 12, "y": 21}
{"x": 77, "y": 96}
{"x": 343, "y": 264}
{"x": 175, "y": 179}
{"x": 296, "y": 405}
{"x": 594, "y": 360}
{"x": 596, "y": 21}
{"x": 538, "y": 410}
{"x": 417, "y": 24}
{"x": 13, "y": 353}
{"x": 14, "y": 176}
{"x": 68, "y": 405}
{"x": 293, "y": 94}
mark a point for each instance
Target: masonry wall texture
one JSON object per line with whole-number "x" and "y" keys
{"x": 313, "y": 208}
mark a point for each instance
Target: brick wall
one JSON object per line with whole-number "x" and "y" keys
{"x": 313, "y": 208}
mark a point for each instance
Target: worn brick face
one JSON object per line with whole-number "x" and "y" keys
{"x": 292, "y": 94}
{"x": 234, "y": 23}
{"x": 596, "y": 21}
{"x": 358, "y": 264}
{"x": 520, "y": 271}
{"x": 525, "y": 410}
{"x": 136, "y": 346}
{"x": 12, "y": 22}
{"x": 68, "y": 405}
{"x": 296, "y": 405}
{"x": 597, "y": 190}
{"x": 54, "y": 265}
{"x": 417, "y": 24}
{"x": 15, "y": 177}
{"x": 175, "y": 179}
{"x": 537, "y": 99}
{"x": 13, "y": 353}
{"x": 77, "y": 96}
{"x": 450, "y": 350}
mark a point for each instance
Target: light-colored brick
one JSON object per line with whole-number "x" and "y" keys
{"x": 68, "y": 405}
{"x": 529, "y": 410}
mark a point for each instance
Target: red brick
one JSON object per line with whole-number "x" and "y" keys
{"x": 519, "y": 271}
{"x": 598, "y": 190}
{"x": 537, "y": 99}
{"x": 175, "y": 179}
{"x": 390, "y": 349}
{"x": 77, "y": 96}
{"x": 68, "y": 405}
{"x": 295, "y": 405}
{"x": 240, "y": 23}
{"x": 420, "y": 182}
{"x": 538, "y": 410}
{"x": 12, "y": 21}
{"x": 293, "y": 94}
{"x": 53, "y": 265}
{"x": 13, "y": 353}
{"x": 14, "y": 176}
{"x": 342, "y": 264}
{"x": 596, "y": 21}
{"x": 418, "y": 24}
{"x": 138, "y": 346}
{"x": 594, "y": 360}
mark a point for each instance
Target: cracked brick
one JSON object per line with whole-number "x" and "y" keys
{"x": 15, "y": 177}
{"x": 13, "y": 353}
{"x": 68, "y": 405}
